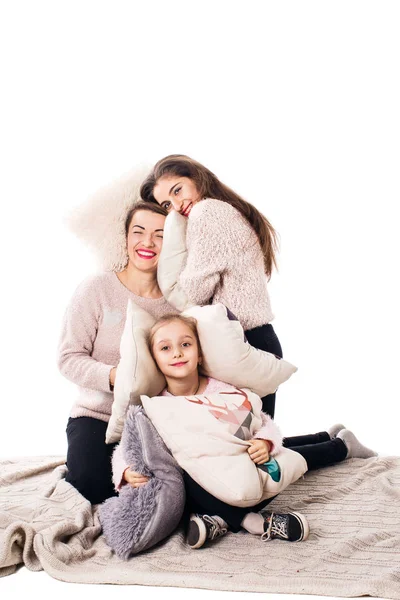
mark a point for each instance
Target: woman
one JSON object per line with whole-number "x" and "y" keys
{"x": 89, "y": 347}
{"x": 231, "y": 247}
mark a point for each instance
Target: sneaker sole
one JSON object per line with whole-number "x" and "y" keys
{"x": 202, "y": 533}
{"x": 304, "y": 525}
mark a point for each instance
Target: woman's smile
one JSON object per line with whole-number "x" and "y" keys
{"x": 185, "y": 212}
{"x": 146, "y": 254}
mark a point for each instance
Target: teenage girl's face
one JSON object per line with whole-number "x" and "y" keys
{"x": 144, "y": 240}
{"x": 175, "y": 350}
{"x": 176, "y": 193}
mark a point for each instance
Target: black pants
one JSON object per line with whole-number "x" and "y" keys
{"x": 89, "y": 459}
{"x": 317, "y": 449}
{"x": 265, "y": 338}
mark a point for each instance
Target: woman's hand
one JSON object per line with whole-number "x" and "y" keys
{"x": 134, "y": 479}
{"x": 259, "y": 451}
{"x": 111, "y": 378}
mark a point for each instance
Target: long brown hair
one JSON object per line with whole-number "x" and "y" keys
{"x": 209, "y": 186}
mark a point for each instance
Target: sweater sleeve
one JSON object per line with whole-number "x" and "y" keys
{"x": 208, "y": 246}
{"x": 78, "y": 334}
{"x": 119, "y": 466}
{"x": 269, "y": 431}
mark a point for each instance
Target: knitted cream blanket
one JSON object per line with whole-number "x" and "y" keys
{"x": 354, "y": 546}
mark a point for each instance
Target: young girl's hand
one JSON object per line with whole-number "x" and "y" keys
{"x": 134, "y": 479}
{"x": 259, "y": 451}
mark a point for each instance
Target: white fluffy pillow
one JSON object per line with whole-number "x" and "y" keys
{"x": 100, "y": 221}
{"x": 227, "y": 357}
{"x": 137, "y": 373}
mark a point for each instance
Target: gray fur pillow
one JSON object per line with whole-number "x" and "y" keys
{"x": 141, "y": 517}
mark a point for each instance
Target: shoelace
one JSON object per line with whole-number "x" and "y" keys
{"x": 275, "y": 528}
{"x": 217, "y": 526}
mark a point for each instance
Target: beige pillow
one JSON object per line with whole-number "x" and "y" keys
{"x": 172, "y": 260}
{"x": 137, "y": 373}
{"x": 227, "y": 357}
{"x": 203, "y": 433}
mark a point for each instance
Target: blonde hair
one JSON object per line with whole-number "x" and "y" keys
{"x": 189, "y": 321}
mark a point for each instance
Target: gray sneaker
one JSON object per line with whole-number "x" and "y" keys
{"x": 204, "y": 527}
{"x": 291, "y": 526}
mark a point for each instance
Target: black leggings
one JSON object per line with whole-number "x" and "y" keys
{"x": 89, "y": 459}
{"x": 265, "y": 338}
{"x": 317, "y": 449}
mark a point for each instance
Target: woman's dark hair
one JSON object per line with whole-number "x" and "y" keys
{"x": 209, "y": 186}
{"x": 141, "y": 205}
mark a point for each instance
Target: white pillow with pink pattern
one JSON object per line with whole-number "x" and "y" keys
{"x": 207, "y": 433}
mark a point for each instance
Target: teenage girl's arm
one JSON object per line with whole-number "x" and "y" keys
{"x": 211, "y": 239}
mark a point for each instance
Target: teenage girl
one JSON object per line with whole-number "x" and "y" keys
{"x": 231, "y": 247}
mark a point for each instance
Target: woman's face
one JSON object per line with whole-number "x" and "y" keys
{"x": 176, "y": 193}
{"x": 144, "y": 240}
{"x": 175, "y": 350}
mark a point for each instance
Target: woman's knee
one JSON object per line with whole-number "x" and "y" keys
{"x": 88, "y": 461}
{"x": 94, "y": 486}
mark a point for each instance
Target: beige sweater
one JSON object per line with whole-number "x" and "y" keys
{"x": 225, "y": 263}
{"x": 90, "y": 339}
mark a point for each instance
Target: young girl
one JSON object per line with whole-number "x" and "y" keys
{"x": 231, "y": 247}
{"x": 175, "y": 346}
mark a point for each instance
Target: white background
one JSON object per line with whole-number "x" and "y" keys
{"x": 293, "y": 104}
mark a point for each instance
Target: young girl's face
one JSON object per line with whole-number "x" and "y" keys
{"x": 176, "y": 193}
{"x": 175, "y": 350}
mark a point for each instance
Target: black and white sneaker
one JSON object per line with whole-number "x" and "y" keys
{"x": 291, "y": 526}
{"x": 204, "y": 527}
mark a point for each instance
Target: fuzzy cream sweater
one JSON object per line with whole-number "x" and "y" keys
{"x": 225, "y": 263}
{"x": 90, "y": 339}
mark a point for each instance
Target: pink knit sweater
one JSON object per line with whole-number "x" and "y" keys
{"x": 225, "y": 263}
{"x": 268, "y": 431}
{"x": 90, "y": 339}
